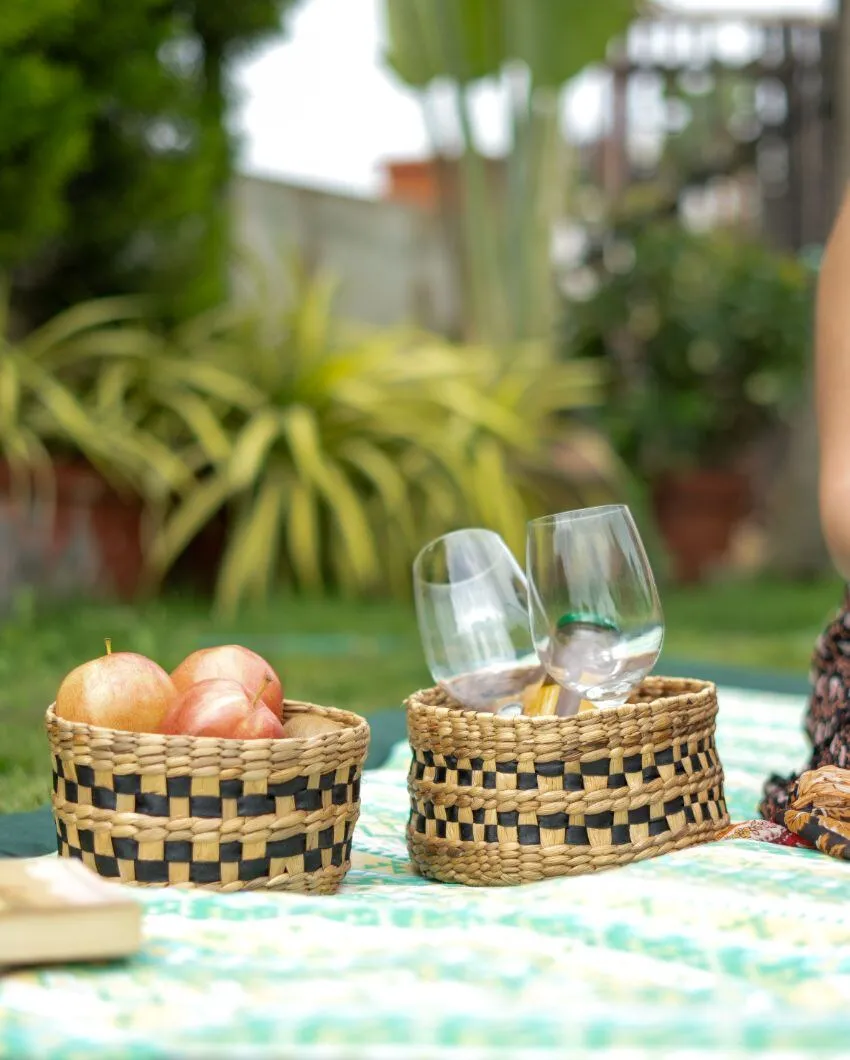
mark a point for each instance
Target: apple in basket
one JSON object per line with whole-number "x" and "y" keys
{"x": 221, "y": 706}
{"x": 236, "y": 663}
{"x": 119, "y": 690}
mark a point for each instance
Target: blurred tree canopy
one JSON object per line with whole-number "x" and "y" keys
{"x": 114, "y": 146}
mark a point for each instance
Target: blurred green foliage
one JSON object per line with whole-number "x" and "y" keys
{"x": 532, "y": 47}
{"x": 340, "y": 450}
{"x": 717, "y": 112}
{"x": 57, "y": 388}
{"x": 331, "y": 453}
{"x": 467, "y": 40}
{"x": 114, "y": 150}
{"x": 705, "y": 341}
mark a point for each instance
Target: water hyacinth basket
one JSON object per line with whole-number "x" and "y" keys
{"x": 227, "y": 815}
{"x": 507, "y": 800}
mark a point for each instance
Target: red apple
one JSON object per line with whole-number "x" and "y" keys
{"x": 222, "y": 707}
{"x": 120, "y": 690}
{"x": 237, "y": 664}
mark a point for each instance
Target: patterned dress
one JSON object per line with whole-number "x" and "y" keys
{"x": 827, "y": 721}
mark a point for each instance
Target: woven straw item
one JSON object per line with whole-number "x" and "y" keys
{"x": 226, "y": 815}
{"x": 500, "y": 800}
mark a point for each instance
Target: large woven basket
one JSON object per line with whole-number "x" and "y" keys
{"x": 225, "y": 815}
{"x": 500, "y": 800}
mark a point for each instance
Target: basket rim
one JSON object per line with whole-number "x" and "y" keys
{"x": 699, "y": 691}
{"x": 353, "y": 723}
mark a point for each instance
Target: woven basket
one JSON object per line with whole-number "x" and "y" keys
{"x": 226, "y": 815}
{"x": 500, "y": 800}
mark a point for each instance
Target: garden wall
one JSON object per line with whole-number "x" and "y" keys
{"x": 389, "y": 257}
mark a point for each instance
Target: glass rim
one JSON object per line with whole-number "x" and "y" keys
{"x": 418, "y": 579}
{"x": 580, "y": 514}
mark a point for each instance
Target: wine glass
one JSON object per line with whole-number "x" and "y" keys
{"x": 594, "y": 610}
{"x": 472, "y": 606}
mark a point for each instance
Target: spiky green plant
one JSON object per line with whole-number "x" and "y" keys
{"x": 48, "y": 404}
{"x": 342, "y": 451}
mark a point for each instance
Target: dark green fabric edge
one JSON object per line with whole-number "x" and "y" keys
{"x": 734, "y": 676}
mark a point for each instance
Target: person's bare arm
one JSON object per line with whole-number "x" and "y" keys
{"x": 832, "y": 340}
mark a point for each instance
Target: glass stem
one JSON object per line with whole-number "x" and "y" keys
{"x": 568, "y": 703}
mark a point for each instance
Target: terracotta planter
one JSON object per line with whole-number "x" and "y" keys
{"x": 416, "y": 183}
{"x": 90, "y": 544}
{"x": 697, "y": 513}
{"x": 422, "y": 183}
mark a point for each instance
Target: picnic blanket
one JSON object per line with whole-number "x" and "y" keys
{"x": 732, "y": 948}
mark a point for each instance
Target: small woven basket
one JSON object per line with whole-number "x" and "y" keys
{"x": 503, "y": 800}
{"x": 226, "y": 815}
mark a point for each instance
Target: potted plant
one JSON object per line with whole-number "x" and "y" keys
{"x": 78, "y": 464}
{"x": 705, "y": 337}
{"x": 346, "y": 447}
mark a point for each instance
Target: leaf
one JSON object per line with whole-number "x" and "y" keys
{"x": 86, "y": 316}
{"x": 342, "y": 501}
{"x": 252, "y": 447}
{"x": 128, "y": 343}
{"x": 440, "y": 508}
{"x": 143, "y": 458}
{"x": 430, "y": 39}
{"x": 185, "y": 522}
{"x": 10, "y": 393}
{"x": 203, "y": 330}
{"x": 497, "y": 498}
{"x": 478, "y": 410}
{"x": 206, "y": 427}
{"x": 413, "y": 51}
{"x": 438, "y": 490}
{"x": 209, "y": 379}
{"x": 4, "y": 307}
{"x": 382, "y": 473}
{"x": 252, "y": 550}
{"x": 303, "y": 535}
{"x": 310, "y": 324}
{"x": 112, "y": 385}
{"x": 73, "y": 422}
{"x": 557, "y": 39}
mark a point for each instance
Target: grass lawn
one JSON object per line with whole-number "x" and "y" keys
{"x": 364, "y": 656}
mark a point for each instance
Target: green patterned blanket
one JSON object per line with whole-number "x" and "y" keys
{"x": 732, "y": 948}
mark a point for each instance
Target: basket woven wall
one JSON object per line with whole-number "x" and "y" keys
{"x": 498, "y": 800}
{"x": 226, "y": 815}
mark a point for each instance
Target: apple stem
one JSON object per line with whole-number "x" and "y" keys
{"x": 267, "y": 680}
{"x": 108, "y": 642}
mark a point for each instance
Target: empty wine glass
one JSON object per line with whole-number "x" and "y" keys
{"x": 594, "y": 610}
{"x": 472, "y": 607}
